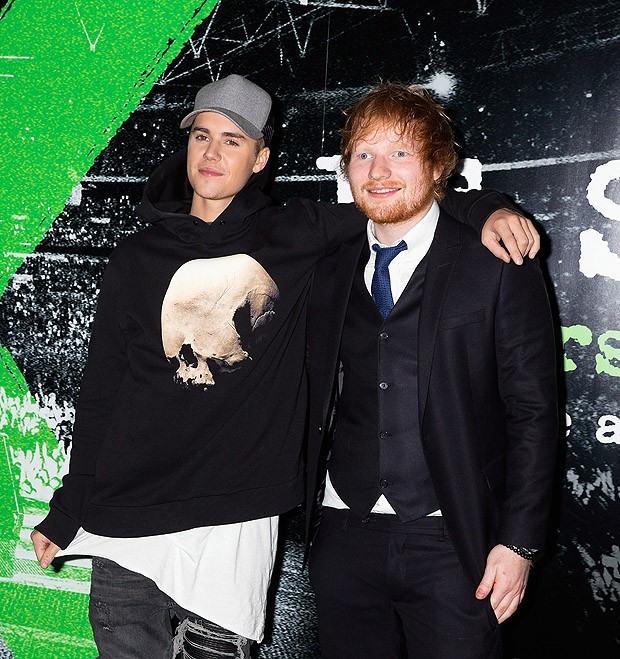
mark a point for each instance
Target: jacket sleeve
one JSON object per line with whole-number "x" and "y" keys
{"x": 474, "y": 206}
{"x": 526, "y": 360}
{"x": 106, "y": 365}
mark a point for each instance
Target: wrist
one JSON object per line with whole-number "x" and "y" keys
{"x": 525, "y": 552}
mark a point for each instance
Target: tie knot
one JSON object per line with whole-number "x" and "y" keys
{"x": 386, "y": 254}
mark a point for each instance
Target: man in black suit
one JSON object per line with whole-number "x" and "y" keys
{"x": 433, "y": 390}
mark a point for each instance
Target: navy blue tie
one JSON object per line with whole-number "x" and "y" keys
{"x": 381, "y": 289}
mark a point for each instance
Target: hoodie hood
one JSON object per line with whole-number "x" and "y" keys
{"x": 167, "y": 200}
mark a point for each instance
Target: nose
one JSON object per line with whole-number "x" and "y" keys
{"x": 211, "y": 151}
{"x": 379, "y": 169}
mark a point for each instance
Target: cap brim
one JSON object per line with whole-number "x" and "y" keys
{"x": 239, "y": 121}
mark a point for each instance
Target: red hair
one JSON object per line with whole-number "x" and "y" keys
{"x": 415, "y": 114}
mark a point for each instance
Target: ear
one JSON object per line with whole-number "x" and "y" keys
{"x": 261, "y": 159}
{"x": 437, "y": 172}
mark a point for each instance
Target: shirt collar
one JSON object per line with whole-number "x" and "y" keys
{"x": 422, "y": 233}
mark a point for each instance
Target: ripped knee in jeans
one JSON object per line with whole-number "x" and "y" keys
{"x": 201, "y": 639}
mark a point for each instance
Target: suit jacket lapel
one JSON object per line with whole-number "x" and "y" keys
{"x": 348, "y": 257}
{"x": 442, "y": 257}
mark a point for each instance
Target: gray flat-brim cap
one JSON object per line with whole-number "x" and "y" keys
{"x": 247, "y": 105}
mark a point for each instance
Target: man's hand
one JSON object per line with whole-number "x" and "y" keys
{"x": 505, "y": 577}
{"x": 517, "y": 233}
{"x": 44, "y": 549}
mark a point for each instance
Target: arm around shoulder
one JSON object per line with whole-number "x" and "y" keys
{"x": 503, "y": 229}
{"x": 335, "y": 223}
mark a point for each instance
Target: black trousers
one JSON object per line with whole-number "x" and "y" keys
{"x": 388, "y": 590}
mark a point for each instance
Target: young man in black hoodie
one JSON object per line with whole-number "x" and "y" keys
{"x": 187, "y": 442}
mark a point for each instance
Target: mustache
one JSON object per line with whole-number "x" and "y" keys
{"x": 369, "y": 185}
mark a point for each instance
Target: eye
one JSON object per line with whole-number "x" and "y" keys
{"x": 232, "y": 142}
{"x": 363, "y": 156}
{"x": 401, "y": 154}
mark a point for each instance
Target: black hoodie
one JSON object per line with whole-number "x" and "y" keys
{"x": 193, "y": 403}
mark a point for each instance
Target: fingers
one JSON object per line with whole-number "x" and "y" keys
{"x": 517, "y": 241}
{"x": 44, "y": 549}
{"x": 505, "y": 578}
{"x": 49, "y": 555}
{"x": 503, "y": 601}
{"x": 39, "y": 542}
{"x": 505, "y": 606}
{"x": 491, "y": 241}
{"x": 516, "y": 233}
{"x": 535, "y": 248}
{"x": 525, "y": 234}
{"x": 486, "y": 584}
{"x": 483, "y": 590}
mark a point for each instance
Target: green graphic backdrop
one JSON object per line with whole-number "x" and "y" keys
{"x": 70, "y": 75}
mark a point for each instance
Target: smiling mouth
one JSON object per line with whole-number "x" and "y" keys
{"x": 381, "y": 191}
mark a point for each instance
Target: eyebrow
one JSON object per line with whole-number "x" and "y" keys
{"x": 239, "y": 136}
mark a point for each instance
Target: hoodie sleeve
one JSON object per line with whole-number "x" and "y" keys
{"x": 474, "y": 206}
{"x": 341, "y": 222}
{"x": 105, "y": 368}
{"x": 336, "y": 223}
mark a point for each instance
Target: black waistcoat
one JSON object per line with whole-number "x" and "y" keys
{"x": 377, "y": 448}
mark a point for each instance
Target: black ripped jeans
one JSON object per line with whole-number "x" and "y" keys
{"x": 132, "y": 619}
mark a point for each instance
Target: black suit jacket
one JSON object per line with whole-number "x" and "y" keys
{"x": 487, "y": 388}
